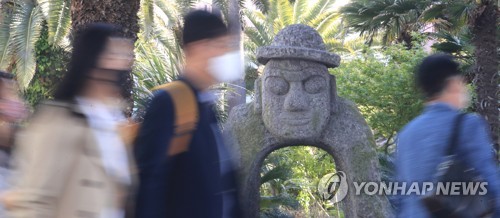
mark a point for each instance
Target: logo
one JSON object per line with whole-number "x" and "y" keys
{"x": 333, "y": 187}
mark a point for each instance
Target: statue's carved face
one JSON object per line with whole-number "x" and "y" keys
{"x": 295, "y": 98}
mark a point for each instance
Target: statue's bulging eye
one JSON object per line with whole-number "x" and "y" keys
{"x": 277, "y": 85}
{"x": 314, "y": 84}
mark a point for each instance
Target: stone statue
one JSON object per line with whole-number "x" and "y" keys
{"x": 296, "y": 103}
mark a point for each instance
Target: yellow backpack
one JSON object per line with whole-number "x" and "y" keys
{"x": 186, "y": 116}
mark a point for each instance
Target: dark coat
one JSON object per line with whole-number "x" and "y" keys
{"x": 190, "y": 184}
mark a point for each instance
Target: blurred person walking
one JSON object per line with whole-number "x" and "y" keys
{"x": 70, "y": 161}
{"x": 184, "y": 168}
{"x": 442, "y": 131}
{"x": 12, "y": 112}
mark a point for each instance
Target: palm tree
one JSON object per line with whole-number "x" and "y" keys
{"x": 484, "y": 25}
{"x": 22, "y": 22}
{"x": 159, "y": 56}
{"x": 394, "y": 20}
{"x": 20, "y": 30}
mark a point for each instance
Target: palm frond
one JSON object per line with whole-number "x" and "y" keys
{"x": 6, "y": 49}
{"x": 454, "y": 44}
{"x": 359, "y": 17}
{"x": 276, "y": 201}
{"x": 298, "y": 10}
{"x": 262, "y": 5}
{"x": 334, "y": 45}
{"x": 459, "y": 10}
{"x": 395, "y": 20}
{"x": 334, "y": 31}
{"x": 324, "y": 21}
{"x": 264, "y": 34}
{"x": 278, "y": 172}
{"x": 147, "y": 17}
{"x": 159, "y": 56}
{"x": 186, "y": 5}
{"x": 285, "y": 12}
{"x": 272, "y": 16}
{"x": 27, "y": 20}
{"x": 222, "y": 4}
{"x": 154, "y": 66}
{"x": 45, "y": 5}
{"x": 254, "y": 37}
{"x": 317, "y": 8}
{"x": 433, "y": 12}
{"x": 58, "y": 20}
{"x": 167, "y": 12}
{"x": 402, "y": 6}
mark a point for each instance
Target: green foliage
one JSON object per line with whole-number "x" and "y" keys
{"x": 154, "y": 66}
{"x": 393, "y": 20}
{"x": 380, "y": 82}
{"x": 25, "y": 31}
{"x": 290, "y": 179}
{"x": 264, "y": 26}
{"x": 58, "y": 17}
{"x": 159, "y": 57}
{"x": 50, "y": 67}
{"x": 20, "y": 30}
{"x": 5, "y": 38}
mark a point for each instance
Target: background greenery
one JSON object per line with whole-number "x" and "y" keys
{"x": 51, "y": 65}
{"x": 380, "y": 42}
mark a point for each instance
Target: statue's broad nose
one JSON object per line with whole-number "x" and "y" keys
{"x": 295, "y": 100}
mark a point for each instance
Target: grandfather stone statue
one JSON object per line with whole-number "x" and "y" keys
{"x": 296, "y": 103}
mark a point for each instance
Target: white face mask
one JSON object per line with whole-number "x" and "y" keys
{"x": 465, "y": 99}
{"x": 227, "y": 67}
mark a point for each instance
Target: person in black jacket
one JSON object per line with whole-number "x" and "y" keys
{"x": 200, "y": 182}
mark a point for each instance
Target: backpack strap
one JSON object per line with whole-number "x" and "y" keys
{"x": 453, "y": 141}
{"x": 186, "y": 115}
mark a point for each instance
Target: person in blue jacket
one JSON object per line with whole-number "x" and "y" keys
{"x": 423, "y": 143}
{"x": 200, "y": 182}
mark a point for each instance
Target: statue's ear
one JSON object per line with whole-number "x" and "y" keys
{"x": 333, "y": 93}
{"x": 257, "y": 102}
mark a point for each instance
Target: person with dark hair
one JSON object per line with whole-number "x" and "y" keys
{"x": 70, "y": 160}
{"x": 185, "y": 170}
{"x": 440, "y": 132}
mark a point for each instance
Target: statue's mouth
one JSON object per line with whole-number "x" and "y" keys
{"x": 296, "y": 121}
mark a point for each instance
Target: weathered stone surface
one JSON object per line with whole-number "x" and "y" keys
{"x": 298, "y": 42}
{"x": 296, "y": 104}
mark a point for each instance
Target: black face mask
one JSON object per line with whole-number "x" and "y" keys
{"x": 120, "y": 75}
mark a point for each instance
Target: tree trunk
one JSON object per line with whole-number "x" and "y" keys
{"x": 486, "y": 69}
{"x": 122, "y": 13}
{"x": 119, "y": 12}
{"x": 238, "y": 96}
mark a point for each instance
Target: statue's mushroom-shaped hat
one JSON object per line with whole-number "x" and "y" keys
{"x": 298, "y": 41}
